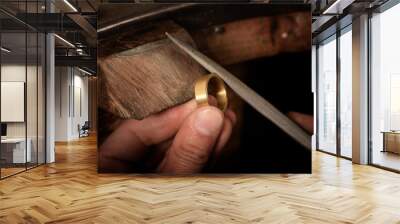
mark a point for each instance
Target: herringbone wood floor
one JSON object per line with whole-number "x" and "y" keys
{"x": 71, "y": 191}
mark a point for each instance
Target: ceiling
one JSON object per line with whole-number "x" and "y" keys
{"x": 16, "y": 42}
{"x": 22, "y": 22}
{"x": 329, "y": 16}
{"x": 80, "y": 27}
{"x": 39, "y": 6}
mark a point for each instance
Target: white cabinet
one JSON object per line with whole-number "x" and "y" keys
{"x": 17, "y": 147}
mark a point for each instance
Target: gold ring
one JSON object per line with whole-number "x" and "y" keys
{"x": 213, "y": 84}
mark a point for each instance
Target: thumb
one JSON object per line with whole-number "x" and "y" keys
{"x": 194, "y": 142}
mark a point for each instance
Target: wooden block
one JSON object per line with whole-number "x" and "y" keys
{"x": 252, "y": 38}
{"x": 148, "y": 78}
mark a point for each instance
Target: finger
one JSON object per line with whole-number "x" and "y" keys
{"x": 129, "y": 141}
{"x": 212, "y": 101}
{"x": 164, "y": 145}
{"x": 194, "y": 142}
{"x": 224, "y": 137}
{"x": 221, "y": 142}
{"x": 304, "y": 120}
{"x": 231, "y": 115}
{"x": 155, "y": 154}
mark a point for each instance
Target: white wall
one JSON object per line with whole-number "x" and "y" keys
{"x": 61, "y": 103}
{"x": 70, "y": 83}
{"x": 13, "y": 101}
{"x": 80, "y": 102}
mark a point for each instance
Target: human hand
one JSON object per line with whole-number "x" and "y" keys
{"x": 180, "y": 140}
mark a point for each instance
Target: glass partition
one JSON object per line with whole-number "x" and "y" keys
{"x": 14, "y": 151}
{"x": 22, "y": 93}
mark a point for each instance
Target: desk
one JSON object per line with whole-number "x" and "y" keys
{"x": 13, "y": 150}
{"x": 391, "y": 141}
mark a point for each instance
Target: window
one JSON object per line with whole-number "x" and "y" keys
{"x": 346, "y": 92}
{"x": 327, "y": 95}
{"x": 385, "y": 89}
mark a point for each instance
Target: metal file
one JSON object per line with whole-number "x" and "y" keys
{"x": 247, "y": 94}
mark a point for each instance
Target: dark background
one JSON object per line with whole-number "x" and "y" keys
{"x": 285, "y": 81}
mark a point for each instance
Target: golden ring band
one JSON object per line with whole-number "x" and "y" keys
{"x": 216, "y": 86}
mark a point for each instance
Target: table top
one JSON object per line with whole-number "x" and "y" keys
{"x": 391, "y": 132}
{"x": 13, "y": 140}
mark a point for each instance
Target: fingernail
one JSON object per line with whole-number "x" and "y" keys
{"x": 208, "y": 121}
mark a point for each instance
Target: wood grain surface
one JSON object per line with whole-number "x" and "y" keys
{"x": 148, "y": 78}
{"x": 71, "y": 191}
{"x": 252, "y": 38}
{"x": 142, "y": 73}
